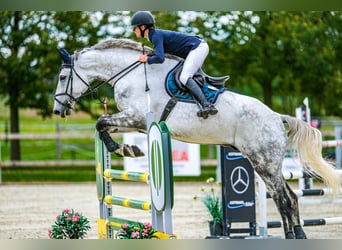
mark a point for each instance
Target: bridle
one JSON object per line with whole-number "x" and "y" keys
{"x": 90, "y": 90}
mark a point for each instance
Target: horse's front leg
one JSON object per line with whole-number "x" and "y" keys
{"x": 126, "y": 121}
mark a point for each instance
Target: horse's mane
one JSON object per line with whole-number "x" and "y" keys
{"x": 126, "y": 44}
{"x": 120, "y": 43}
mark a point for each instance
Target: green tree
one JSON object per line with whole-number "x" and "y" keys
{"x": 28, "y": 58}
{"x": 330, "y": 94}
{"x": 22, "y": 56}
{"x": 279, "y": 57}
{"x": 289, "y": 55}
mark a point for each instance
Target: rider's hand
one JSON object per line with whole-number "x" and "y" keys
{"x": 143, "y": 58}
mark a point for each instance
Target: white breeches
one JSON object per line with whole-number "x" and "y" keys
{"x": 194, "y": 62}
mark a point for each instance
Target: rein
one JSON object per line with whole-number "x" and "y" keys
{"x": 119, "y": 75}
{"x": 93, "y": 89}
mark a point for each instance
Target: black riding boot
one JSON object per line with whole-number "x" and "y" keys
{"x": 207, "y": 107}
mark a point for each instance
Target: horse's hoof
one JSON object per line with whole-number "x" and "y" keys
{"x": 129, "y": 151}
{"x": 137, "y": 151}
{"x": 119, "y": 152}
{"x": 299, "y": 232}
{"x": 290, "y": 235}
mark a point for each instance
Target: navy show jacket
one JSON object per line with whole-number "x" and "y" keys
{"x": 171, "y": 42}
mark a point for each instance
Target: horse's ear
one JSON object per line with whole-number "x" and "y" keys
{"x": 66, "y": 57}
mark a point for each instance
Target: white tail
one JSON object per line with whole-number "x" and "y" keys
{"x": 308, "y": 142}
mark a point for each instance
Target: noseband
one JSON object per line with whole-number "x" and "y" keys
{"x": 68, "y": 103}
{"x": 90, "y": 90}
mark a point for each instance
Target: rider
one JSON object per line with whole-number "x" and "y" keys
{"x": 191, "y": 48}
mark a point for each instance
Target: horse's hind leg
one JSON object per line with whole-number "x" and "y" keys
{"x": 294, "y": 213}
{"x": 287, "y": 204}
{"x": 269, "y": 166}
{"x": 267, "y": 157}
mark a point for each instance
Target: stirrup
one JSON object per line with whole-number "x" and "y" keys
{"x": 203, "y": 113}
{"x": 209, "y": 110}
{"x": 212, "y": 109}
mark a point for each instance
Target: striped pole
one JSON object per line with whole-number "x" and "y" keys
{"x": 332, "y": 143}
{"x": 126, "y": 175}
{"x": 309, "y": 192}
{"x": 127, "y": 202}
{"x": 293, "y": 175}
{"x": 309, "y": 222}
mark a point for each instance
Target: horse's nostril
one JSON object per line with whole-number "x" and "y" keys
{"x": 56, "y": 112}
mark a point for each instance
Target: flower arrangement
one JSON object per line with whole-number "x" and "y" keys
{"x": 69, "y": 225}
{"x": 136, "y": 231}
{"x": 212, "y": 199}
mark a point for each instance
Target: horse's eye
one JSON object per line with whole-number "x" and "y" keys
{"x": 62, "y": 78}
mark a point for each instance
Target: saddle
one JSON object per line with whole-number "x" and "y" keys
{"x": 211, "y": 86}
{"x": 201, "y": 78}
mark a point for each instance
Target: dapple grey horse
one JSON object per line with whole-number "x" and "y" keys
{"x": 261, "y": 134}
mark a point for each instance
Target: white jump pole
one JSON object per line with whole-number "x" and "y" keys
{"x": 262, "y": 207}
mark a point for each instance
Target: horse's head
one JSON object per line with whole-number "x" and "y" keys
{"x": 71, "y": 85}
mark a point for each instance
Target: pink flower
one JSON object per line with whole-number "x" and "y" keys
{"x": 135, "y": 235}
{"x": 147, "y": 224}
{"x": 67, "y": 210}
{"x": 75, "y": 218}
{"x": 50, "y": 233}
{"x": 124, "y": 226}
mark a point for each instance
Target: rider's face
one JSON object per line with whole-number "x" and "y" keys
{"x": 137, "y": 32}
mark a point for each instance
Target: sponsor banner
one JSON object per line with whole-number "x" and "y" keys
{"x": 238, "y": 196}
{"x": 292, "y": 165}
{"x": 185, "y": 156}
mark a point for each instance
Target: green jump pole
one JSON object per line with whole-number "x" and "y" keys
{"x": 127, "y": 175}
{"x": 127, "y": 202}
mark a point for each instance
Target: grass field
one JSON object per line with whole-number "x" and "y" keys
{"x": 46, "y": 150}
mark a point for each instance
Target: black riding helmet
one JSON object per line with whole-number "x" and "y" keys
{"x": 142, "y": 18}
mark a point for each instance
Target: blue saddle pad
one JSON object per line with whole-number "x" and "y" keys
{"x": 210, "y": 92}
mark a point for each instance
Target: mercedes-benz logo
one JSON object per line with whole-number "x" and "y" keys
{"x": 239, "y": 180}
